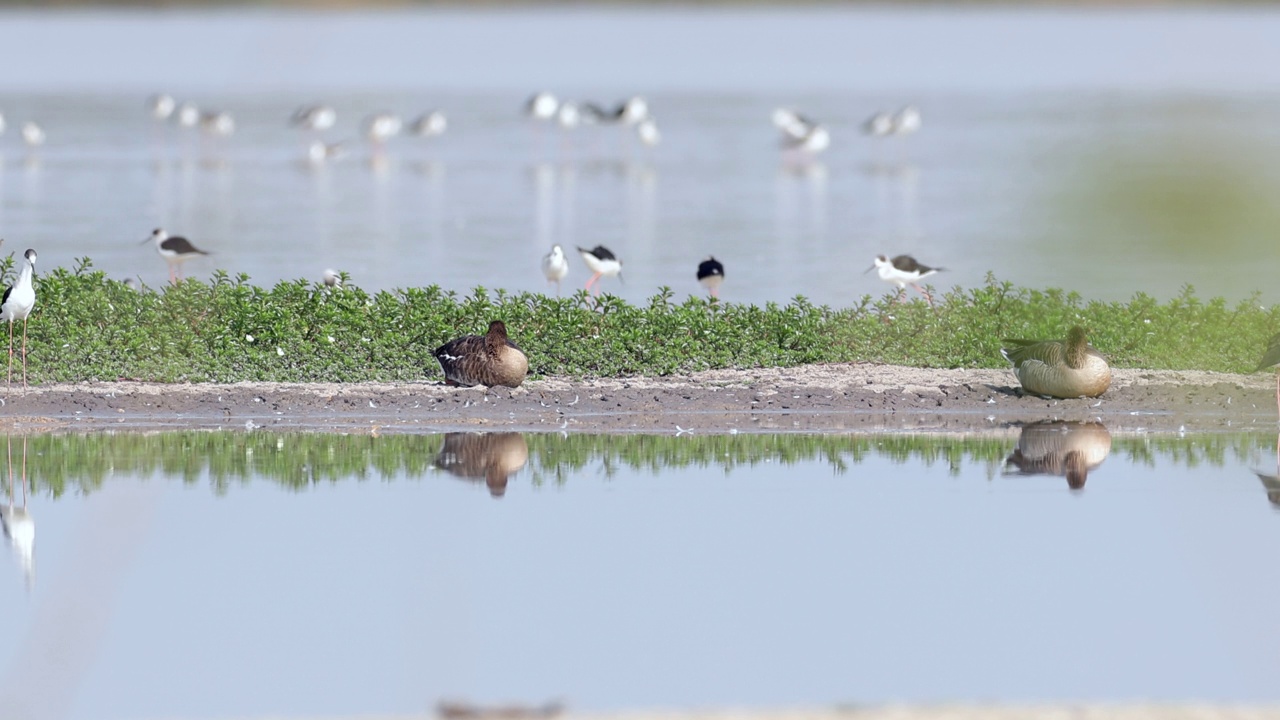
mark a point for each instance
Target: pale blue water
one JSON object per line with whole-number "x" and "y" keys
{"x": 898, "y": 570}
{"x": 1107, "y": 152}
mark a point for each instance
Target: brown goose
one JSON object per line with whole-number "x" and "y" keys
{"x": 1070, "y": 449}
{"x": 1068, "y": 368}
{"x": 493, "y": 457}
{"x": 490, "y": 359}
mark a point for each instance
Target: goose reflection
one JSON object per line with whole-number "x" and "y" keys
{"x": 1052, "y": 447}
{"x": 1270, "y": 482}
{"x": 19, "y": 527}
{"x": 493, "y": 457}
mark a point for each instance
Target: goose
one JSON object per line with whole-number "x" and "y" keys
{"x": 1068, "y": 368}
{"x": 489, "y": 359}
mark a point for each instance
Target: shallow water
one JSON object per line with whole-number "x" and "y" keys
{"x": 208, "y": 574}
{"x": 1144, "y": 164}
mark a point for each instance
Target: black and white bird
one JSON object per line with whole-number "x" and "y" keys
{"x": 631, "y": 112}
{"x": 878, "y": 125}
{"x": 542, "y": 106}
{"x": 18, "y": 301}
{"x": 332, "y": 279}
{"x": 314, "y": 117}
{"x": 800, "y": 133}
{"x": 555, "y": 266}
{"x": 32, "y": 134}
{"x": 601, "y": 261}
{"x": 902, "y": 271}
{"x": 381, "y": 127}
{"x": 711, "y": 275}
{"x": 175, "y": 250}
{"x": 429, "y": 124}
{"x": 906, "y": 121}
{"x": 161, "y": 106}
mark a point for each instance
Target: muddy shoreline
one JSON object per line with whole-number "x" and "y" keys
{"x": 817, "y": 398}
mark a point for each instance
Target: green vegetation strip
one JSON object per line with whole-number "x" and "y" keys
{"x": 89, "y": 327}
{"x": 57, "y": 464}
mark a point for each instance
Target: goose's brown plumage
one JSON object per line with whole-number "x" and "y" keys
{"x": 493, "y": 457}
{"x": 1069, "y": 449}
{"x": 489, "y": 359}
{"x": 1068, "y": 368}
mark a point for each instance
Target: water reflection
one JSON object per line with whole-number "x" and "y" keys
{"x": 18, "y": 524}
{"x": 1052, "y": 447}
{"x": 1271, "y": 483}
{"x": 493, "y": 457}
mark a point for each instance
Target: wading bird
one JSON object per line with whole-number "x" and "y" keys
{"x": 711, "y": 275}
{"x": 174, "y": 250}
{"x": 1270, "y": 358}
{"x": 18, "y": 301}
{"x": 555, "y": 266}
{"x": 1068, "y": 368}
{"x": 602, "y": 262}
{"x": 542, "y": 106}
{"x": 902, "y": 271}
{"x": 489, "y": 359}
{"x": 314, "y": 117}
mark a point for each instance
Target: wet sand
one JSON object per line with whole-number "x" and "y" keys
{"x": 816, "y": 398}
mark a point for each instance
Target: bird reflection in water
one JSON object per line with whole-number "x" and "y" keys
{"x": 1271, "y": 482}
{"x": 1053, "y": 447}
{"x": 493, "y": 457}
{"x": 19, "y": 526}
{"x": 455, "y": 710}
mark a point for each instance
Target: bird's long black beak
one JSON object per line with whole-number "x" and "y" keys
{"x": 146, "y": 239}
{"x": 873, "y": 267}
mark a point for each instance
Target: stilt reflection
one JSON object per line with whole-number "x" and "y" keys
{"x": 19, "y": 525}
{"x": 1070, "y": 449}
{"x": 493, "y": 457}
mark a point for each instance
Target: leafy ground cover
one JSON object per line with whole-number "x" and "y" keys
{"x": 87, "y": 326}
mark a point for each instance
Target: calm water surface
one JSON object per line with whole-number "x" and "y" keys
{"x": 1146, "y": 163}
{"x": 241, "y": 575}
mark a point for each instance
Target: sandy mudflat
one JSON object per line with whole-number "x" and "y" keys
{"x": 815, "y": 398}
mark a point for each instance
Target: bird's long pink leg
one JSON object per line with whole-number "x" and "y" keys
{"x": 9, "y": 385}
{"x": 594, "y": 278}
{"x": 24, "y": 356}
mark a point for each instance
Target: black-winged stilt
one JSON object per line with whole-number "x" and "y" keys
{"x": 555, "y": 266}
{"x": 18, "y": 301}
{"x": 904, "y": 270}
{"x": 175, "y": 250}
{"x": 161, "y": 106}
{"x": 1068, "y": 368}
{"x": 542, "y": 106}
{"x": 906, "y": 121}
{"x": 314, "y": 117}
{"x": 711, "y": 275}
{"x": 381, "y": 127}
{"x": 602, "y": 262}
{"x": 878, "y": 125}
{"x": 332, "y": 279}
{"x": 429, "y": 124}
{"x": 18, "y": 525}
{"x": 489, "y": 359}
{"x": 32, "y": 134}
